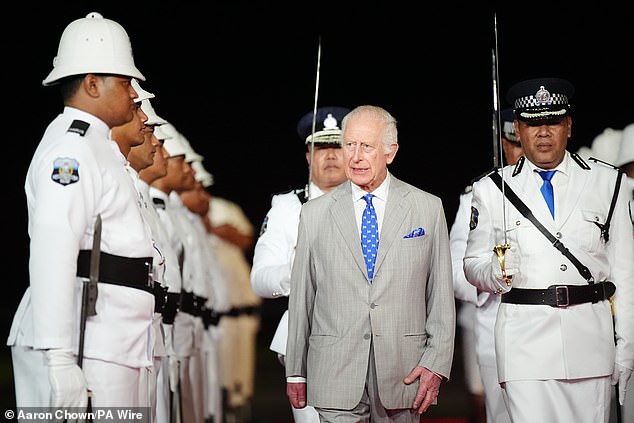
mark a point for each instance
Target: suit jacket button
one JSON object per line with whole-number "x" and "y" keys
{"x": 366, "y": 336}
{"x": 373, "y": 306}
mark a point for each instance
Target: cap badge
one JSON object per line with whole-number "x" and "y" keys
{"x": 542, "y": 96}
{"x": 330, "y": 122}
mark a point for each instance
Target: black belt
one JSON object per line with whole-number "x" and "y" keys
{"x": 191, "y": 303}
{"x": 118, "y": 270}
{"x": 172, "y": 305}
{"x": 561, "y": 295}
{"x": 160, "y": 297}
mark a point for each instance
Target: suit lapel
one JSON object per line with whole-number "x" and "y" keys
{"x": 342, "y": 212}
{"x": 396, "y": 209}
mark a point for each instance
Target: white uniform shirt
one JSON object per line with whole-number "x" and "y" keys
{"x": 70, "y": 180}
{"x": 274, "y": 253}
{"x": 486, "y": 302}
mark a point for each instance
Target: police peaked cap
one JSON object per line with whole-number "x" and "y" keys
{"x": 327, "y": 129}
{"x": 541, "y": 99}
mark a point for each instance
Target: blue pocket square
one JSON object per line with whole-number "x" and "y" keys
{"x": 416, "y": 232}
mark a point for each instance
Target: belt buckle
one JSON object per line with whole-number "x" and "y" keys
{"x": 561, "y": 292}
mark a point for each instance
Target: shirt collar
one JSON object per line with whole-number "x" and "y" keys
{"x": 563, "y": 167}
{"x": 380, "y": 192}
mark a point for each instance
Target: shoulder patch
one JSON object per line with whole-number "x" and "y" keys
{"x": 78, "y": 127}
{"x": 518, "y": 166}
{"x": 65, "y": 171}
{"x": 473, "y": 221}
{"x": 610, "y": 165}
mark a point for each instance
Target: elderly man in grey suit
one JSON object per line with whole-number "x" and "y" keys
{"x": 372, "y": 314}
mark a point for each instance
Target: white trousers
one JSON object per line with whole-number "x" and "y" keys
{"x": 111, "y": 385}
{"x": 494, "y": 400}
{"x": 557, "y": 401}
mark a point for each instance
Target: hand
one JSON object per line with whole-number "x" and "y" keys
{"x": 621, "y": 375}
{"x": 296, "y": 393}
{"x": 428, "y": 387}
{"x": 511, "y": 265}
{"x": 68, "y": 384}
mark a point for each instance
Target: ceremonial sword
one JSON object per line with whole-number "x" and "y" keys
{"x": 500, "y": 249}
{"x": 312, "y": 136}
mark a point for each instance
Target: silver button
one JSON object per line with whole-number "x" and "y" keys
{"x": 558, "y": 235}
{"x": 563, "y": 267}
{"x": 517, "y": 223}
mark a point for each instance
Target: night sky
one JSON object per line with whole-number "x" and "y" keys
{"x": 235, "y": 77}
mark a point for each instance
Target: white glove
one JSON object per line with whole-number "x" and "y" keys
{"x": 173, "y": 373}
{"x": 68, "y": 384}
{"x": 511, "y": 265}
{"x": 168, "y": 338}
{"x": 621, "y": 375}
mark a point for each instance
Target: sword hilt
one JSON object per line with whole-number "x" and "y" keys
{"x": 499, "y": 251}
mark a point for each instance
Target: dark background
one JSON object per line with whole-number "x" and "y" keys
{"x": 235, "y": 77}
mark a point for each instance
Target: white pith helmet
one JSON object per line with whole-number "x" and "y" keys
{"x": 174, "y": 145}
{"x": 604, "y": 146}
{"x": 93, "y": 45}
{"x": 141, "y": 93}
{"x": 160, "y": 133}
{"x": 626, "y": 150}
{"x": 191, "y": 155}
{"x": 152, "y": 117}
{"x": 202, "y": 175}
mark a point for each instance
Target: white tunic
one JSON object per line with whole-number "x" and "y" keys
{"x": 543, "y": 342}
{"x": 63, "y": 203}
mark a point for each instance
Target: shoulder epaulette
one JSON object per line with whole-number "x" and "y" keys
{"x": 290, "y": 191}
{"x": 518, "y": 166}
{"x": 577, "y": 158}
{"x": 603, "y": 163}
{"x": 78, "y": 127}
{"x": 484, "y": 175}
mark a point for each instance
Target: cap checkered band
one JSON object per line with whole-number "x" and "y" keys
{"x": 541, "y": 98}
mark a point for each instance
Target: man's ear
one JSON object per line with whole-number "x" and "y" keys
{"x": 91, "y": 84}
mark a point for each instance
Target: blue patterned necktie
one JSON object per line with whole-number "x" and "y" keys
{"x": 547, "y": 189}
{"x": 369, "y": 235}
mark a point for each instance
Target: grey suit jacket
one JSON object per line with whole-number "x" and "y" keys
{"x": 408, "y": 311}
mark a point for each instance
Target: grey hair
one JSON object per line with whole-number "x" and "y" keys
{"x": 387, "y": 121}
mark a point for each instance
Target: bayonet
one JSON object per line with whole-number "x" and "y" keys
{"x": 89, "y": 288}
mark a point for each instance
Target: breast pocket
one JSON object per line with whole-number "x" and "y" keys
{"x": 589, "y": 234}
{"x": 524, "y": 236}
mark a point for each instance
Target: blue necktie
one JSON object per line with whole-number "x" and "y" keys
{"x": 547, "y": 189}
{"x": 369, "y": 235}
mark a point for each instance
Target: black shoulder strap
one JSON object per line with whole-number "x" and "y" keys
{"x": 605, "y": 227}
{"x": 522, "y": 208}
